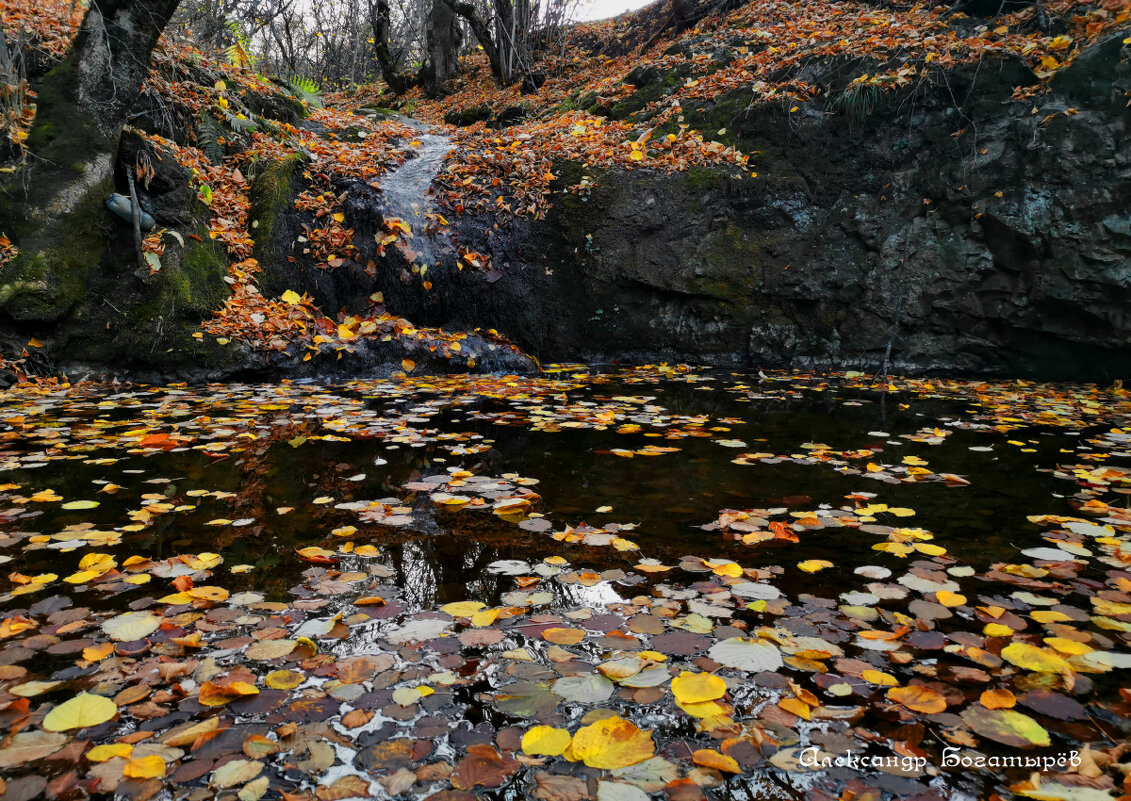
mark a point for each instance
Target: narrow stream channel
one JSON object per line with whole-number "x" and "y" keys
{"x": 406, "y": 192}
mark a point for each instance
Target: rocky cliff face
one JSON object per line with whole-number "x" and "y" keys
{"x": 975, "y": 222}
{"x": 946, "y": 227}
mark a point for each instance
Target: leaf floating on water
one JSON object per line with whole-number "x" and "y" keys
{"x": 618, "y": 791}
{"x": 131, "y": 626}
{"x": 1006, "y": 726}
{"x": 146, "y": 767}
{"x": 563, "y": 636}
{"x": 611, "y": 743}
{"x": 284, "y": 679}
{"x": 713, "y": 759}
{"x": 212, "y": 694}
{"x": 694, "y": 688}
{"x": 1030, "y": 657}
{"x": 28, "y": 746}
{"x": 463, "y": 608}
{"x": 100, "y": 753}
{"x": 85, "y": 709}
{"x": 545, "y": 741}
{"x": 238, "y": 771}
{"x": 746, "y": 654}
{"x": 918, "y": 698}
{"x": 998, "y": 699}
{"x": 591, "y": 689}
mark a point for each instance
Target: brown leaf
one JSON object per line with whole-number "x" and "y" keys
{"x": 483, "y": 767}
{"x": 550, "y": 787}
{"x": 345, "y": 787}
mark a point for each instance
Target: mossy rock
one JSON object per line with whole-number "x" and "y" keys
{"x": 463, "y": 117}
{"x": 656, "y": 88}
{"x": 47, "y": 279}
{"x": 283, "y": 107}
{"x": 271, "y": 193}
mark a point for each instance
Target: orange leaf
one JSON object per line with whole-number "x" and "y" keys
{"x": 998, "y": 699}
{"x": 713, "y": 759}
{"x": 918, "y": 698}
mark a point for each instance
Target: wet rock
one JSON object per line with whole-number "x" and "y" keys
{"x": 890, "y": 241}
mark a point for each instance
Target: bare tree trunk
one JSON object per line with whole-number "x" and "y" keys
{"x": 55, "y": 216}
{"x": 482, "y": 33}
{"x": 380, "y": 23}
{"x": 443, "y": 38}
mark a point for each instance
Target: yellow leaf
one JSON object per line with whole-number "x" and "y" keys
{"x": 694, "y": 688}
{"x": 1067, "y": 646}
{"x": 100, "y": 753}
{"x": 879, "y": 677}
{"x": 217, "y": 594}
{"x": 997, "y": 630}
{"x": 947, "y": 598}
{"x": 81, "y": 711}
{"x": 563, "y": 636}
{"x": 463, "y": 608}
{"x": 1032, "y": 658}
{"x": 283, "y": 679}
{"x": 484, "y": 617}
{"x": 339, "y": 217}
{"x": 79, "y": 505}
{"x": 408, "y": 365}
{"x": 545, "y": 741}
{"x": 705, "y": 710}
{"x": 813, "y": 565}
{"x": 610, "y": 744}
{"x": 795, "y": 706}
{"x": 291, "y": 297}
{"x": 147, "y": 767}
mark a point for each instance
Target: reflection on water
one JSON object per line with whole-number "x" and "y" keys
{"x": 627, "y": 479}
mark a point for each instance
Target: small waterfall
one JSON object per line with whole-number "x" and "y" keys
{"x": 405, "y": 192}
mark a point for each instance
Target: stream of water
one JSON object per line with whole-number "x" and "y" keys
{"x": 406, "y": 192}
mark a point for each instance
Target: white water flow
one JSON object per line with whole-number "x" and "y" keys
{"x": 405, "y": 192}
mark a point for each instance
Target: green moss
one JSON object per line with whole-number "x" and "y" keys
{"x": 728, "y": 272}
{"x": 703, "y": 178}
{"x": 574, "y": 209}
{"x": 62, "y": 128}
{"x": 632, "y": 105}
{"x": 724, "y": 114}
{"x": 42, "y": 284}
{"x": 197, "y": 283}
{"x": 270, "y": 194}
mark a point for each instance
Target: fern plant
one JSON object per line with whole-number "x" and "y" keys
{"x": 306, "y": 90}
{"x": 300, "y": 83}
{"x": 239, "y": 52}
{"x": 209, "y": 131}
